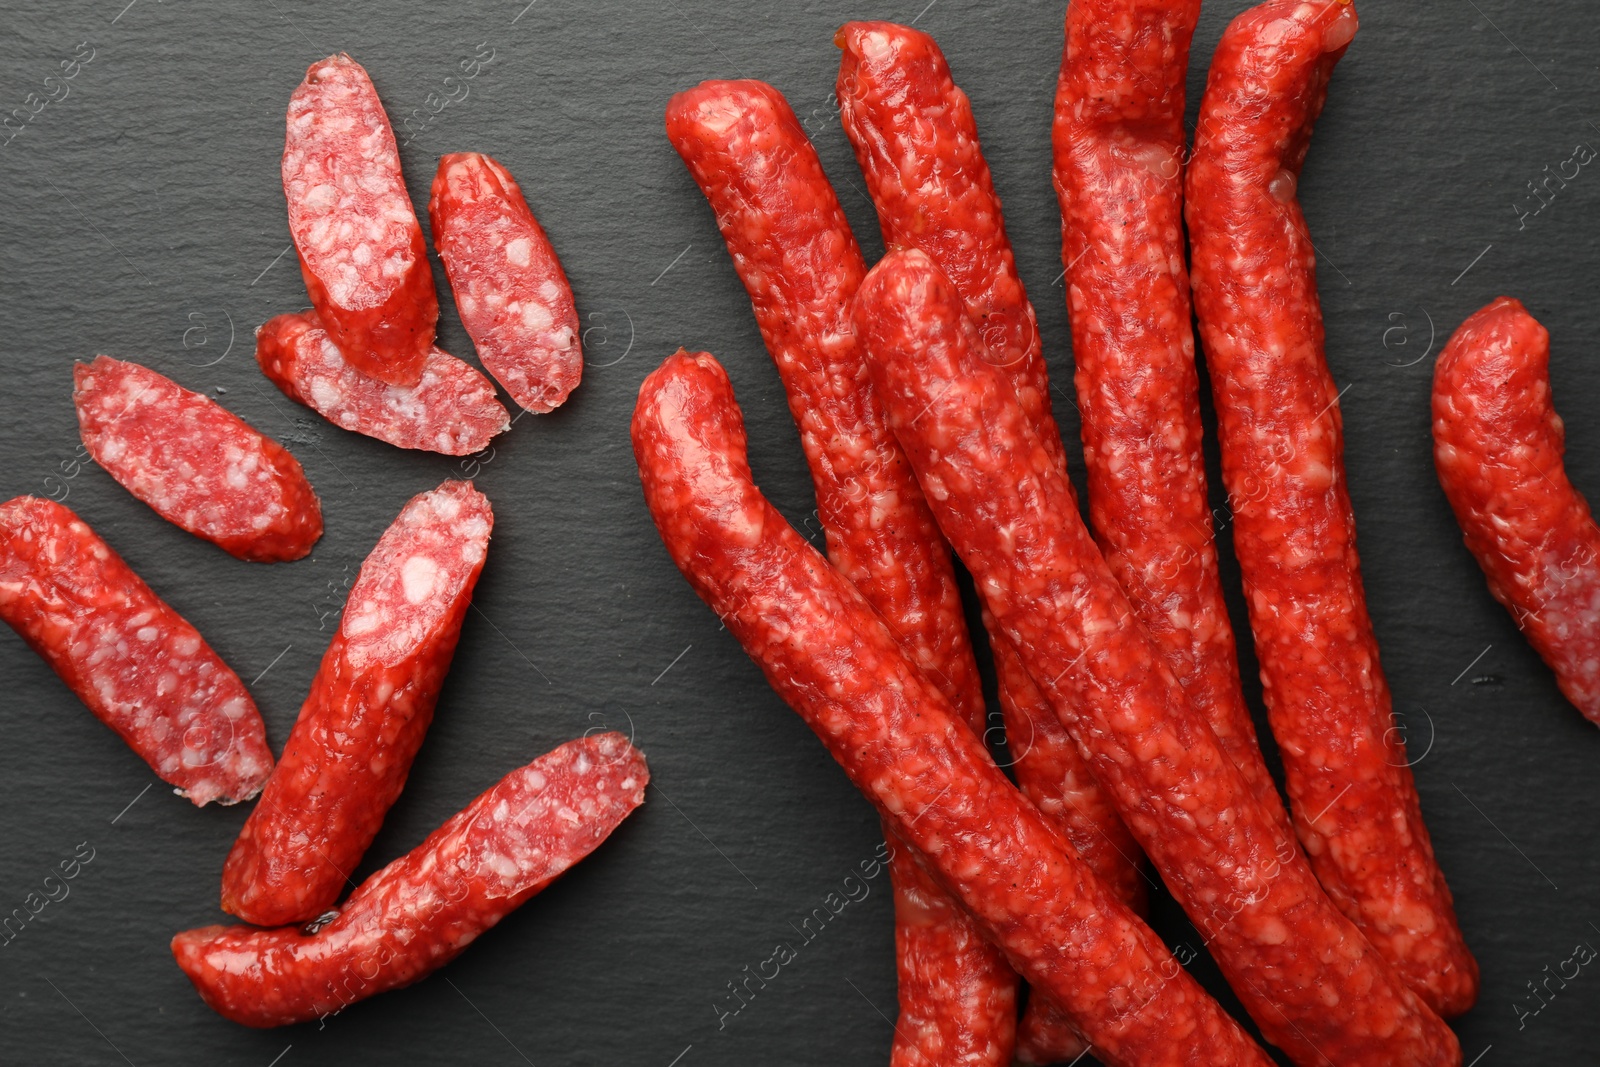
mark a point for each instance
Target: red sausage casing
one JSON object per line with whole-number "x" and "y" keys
{"x": 351, "y": 749}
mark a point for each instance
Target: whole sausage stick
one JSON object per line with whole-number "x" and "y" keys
{"x": 1355, "y": 804}
{"x": 832, "y": 658}
{"x": 794, "y": 251}
{"x": 1118, "y": 149}
{"x": 916, "y": 140}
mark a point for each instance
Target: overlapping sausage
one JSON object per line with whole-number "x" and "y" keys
{"x": 1254, "y": 270}
{"x": 794, "y": 251}
{"x": 1498, "y": 445}
{"x": 1304, "y": 972}
{"x": 832, "y": 658}
{"x": 371, "y": 702}
{"x": 359, "y": 243}
{"x": 452, "y": 409}
{"x": 197, "y": 464}
{"x": 425, "y": 908}
{"x": 137, "y": 664}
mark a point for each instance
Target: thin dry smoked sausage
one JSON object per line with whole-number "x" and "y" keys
{"x": 1304, "y": 972}
{"x": 916, "y": 140}
{"x": 1354, "y": 802}
{"x": 137, "y": 664}
{"x": 370, "y": 705}
{"x": 793, "y": 249}
{"x": 1498, "y": 444}
{"x": 832, "y": 658}
{"x": 422, "y": 910}
{"x": 1118, "y": 149}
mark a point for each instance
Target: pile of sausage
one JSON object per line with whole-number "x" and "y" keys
{"x": 364, "y": 358}
{"x": 924, "y": 411}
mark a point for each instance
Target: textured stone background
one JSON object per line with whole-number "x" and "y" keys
{"x": 144, "y": 218}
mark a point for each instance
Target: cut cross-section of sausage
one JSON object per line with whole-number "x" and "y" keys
{"x": 137, "y": 664}
{"x": 452, "y": 409}
{"x": 1308, "y": 978}
{"x": 1498, "y": 446}
{"x": 1351, "y": 791}
{"x": 832, "y": 658}
{"x": 421, "y": 911}
{"x": 509, "y": 286}
{"x": 197, "y": 464}
{"x": 360, "y": 246}
{"x": 370, "y": 705}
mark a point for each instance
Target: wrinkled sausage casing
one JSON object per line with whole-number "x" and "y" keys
{"x": 1350, "y": 787}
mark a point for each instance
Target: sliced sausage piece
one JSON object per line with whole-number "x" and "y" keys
{"x": 197, "y": 464}
{"x": 452, "y": 409}
{"x": 510, "y": 289}
{"x": 1355, "y": 804}
{"x": 135, "y": 662}
{"x": 370, "y": 705}
{"x": 1302, "y": 970}
{"x": 1498, "y": 445}
{"x": 360, "y": 245}
{"x": 425, "y": 908}
{"x": 832, "y": 658}
{"x": 916, "y": 141}
{"x": 794, "y": 251}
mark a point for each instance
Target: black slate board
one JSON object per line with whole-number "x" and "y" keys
{"x": 144, "y": 218}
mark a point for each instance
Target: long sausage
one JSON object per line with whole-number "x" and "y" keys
{"x": 1302, "y": 970}
{"x": 1355, "y": 804}
{"x": 916, "y": 141}
{"x": 370, "y": 705}
{"x": 1118, "y": 148}
{"x": 1498, "y": 445}
{"x": 425, "y": 908}
{"x": 135, "y": 662}
{"x": 794, "y": 251}
{"x": 832, "y": 658}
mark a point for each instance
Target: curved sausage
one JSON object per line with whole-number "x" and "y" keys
{"x": 1355, "y": 804}
{"x": 135, "y": 662}
{"x": 370, "y": 705}
{"x": 1498, "y": 445}
{"x": 421, "y": 911}
{"x": 1302, "y": 970}
{"x": 510, "y": 289}
{"x": 200, "y": 467}
{"x": 794, "y": 251}
{"x": 831, "y": 657}
{"x": 357, "y": 237}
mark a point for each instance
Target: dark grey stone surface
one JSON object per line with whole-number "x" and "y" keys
{"x": 144, "y": 219}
